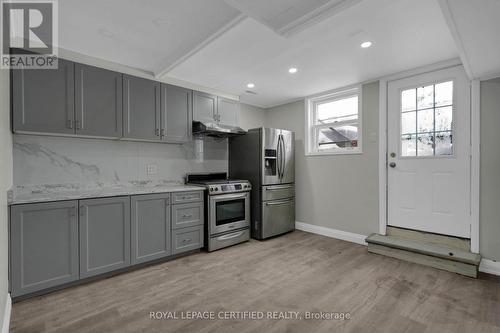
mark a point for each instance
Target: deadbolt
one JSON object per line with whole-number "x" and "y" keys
{"x": 393, "y": 155}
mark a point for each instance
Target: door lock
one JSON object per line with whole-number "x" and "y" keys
{"x": 392, "y": 164}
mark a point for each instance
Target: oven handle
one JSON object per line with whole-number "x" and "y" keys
{"x": 274, "y": 203}
{"x": 229, "y": 196}
{"x": 230, "y": 236}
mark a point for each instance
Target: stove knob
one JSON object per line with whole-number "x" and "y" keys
{"x": 216, "y": 189}
{"x": 211, "y": 189}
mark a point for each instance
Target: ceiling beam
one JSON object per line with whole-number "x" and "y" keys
{"x": 452, "y": 26}
{"x": 166, "y": 67}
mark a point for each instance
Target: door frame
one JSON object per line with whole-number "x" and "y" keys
{"x": 475, "y": 145}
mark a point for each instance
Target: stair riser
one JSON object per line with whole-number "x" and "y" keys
{"x": 439, "y": 263}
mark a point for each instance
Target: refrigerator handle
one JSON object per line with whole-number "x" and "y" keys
{"x": 279, "y": 159}
{"x": 283, "y": 156}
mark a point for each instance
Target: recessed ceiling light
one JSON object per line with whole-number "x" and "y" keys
{"x": 292, "y": 70}
{"x": 250, "y": 85}
{"x": 366, "y": 45}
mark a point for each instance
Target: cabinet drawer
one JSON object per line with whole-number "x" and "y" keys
{"x": 184, "y": 197}
{"x": 187, "y": 215}
{"x": 187, "y": 239}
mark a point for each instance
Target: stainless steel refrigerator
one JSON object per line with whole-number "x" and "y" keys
{"x": 266, "y": 157}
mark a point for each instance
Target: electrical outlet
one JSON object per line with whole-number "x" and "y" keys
{"x": 151, "y": 169}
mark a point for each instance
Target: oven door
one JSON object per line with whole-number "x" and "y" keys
{"x": 229, "y": 212}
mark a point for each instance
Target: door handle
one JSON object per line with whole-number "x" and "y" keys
{"x": 392, "y": 164}
{"x": 277, "y": 188}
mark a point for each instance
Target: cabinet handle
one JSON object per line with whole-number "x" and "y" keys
{"x": 70, "y": 123}
{"x": 185, "y": 216}
{"x": 186, "y": 240}
{"x": 162, "y": 132}
{"x": 157, "y": 132}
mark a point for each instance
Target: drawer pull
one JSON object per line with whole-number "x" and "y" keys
{"x": 185, "y": 216}
{"x": 186, "y": 240}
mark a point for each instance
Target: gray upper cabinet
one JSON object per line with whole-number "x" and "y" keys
{"x": 150, "y": 227}
{"x": 228, "y": 111}
{"x": 104, "y": 235}
{"x": 98, "y": 102}
{"x": 141, "y": 108}
{"x": 43, "y": 99}
{"x": 43, "y": 246}
{"x": 176, "y": 113}
{"x": 204, "y": 107}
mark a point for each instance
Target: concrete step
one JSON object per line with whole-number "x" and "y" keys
{"x": 424, "y": 253}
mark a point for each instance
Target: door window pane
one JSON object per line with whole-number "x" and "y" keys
{"x": 444, "y": 143}
{"x": 444, "y": 93}
{"x": 409, "y": 145}
{"x": 425, "y": 97}
{"x": 425, "y": 121}
{"x": 409, "y": 100}
{"x": 425, "y": 145}
{"x": 429, "y": 130}
{"x": 408, "y": 122}
{"x": 444, "y": 117}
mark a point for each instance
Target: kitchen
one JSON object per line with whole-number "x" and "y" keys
{"x": 228, "y": 178}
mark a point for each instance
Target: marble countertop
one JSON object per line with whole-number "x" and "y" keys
{"x": 60, "y": 192}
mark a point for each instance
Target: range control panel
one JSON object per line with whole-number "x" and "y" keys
{"x": 229, "y": 188}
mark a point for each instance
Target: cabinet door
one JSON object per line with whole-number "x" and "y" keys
{"x": 229, "y": 111}
{"x": 43, "y": 246}
{"x": 104, "y": 235}
{"x": 98, "y": 101}
{"x": 204, "y": 107}
{"x": 150, "y": 227}
{"x": 176, "y": 113}
{"x": 43, "y": 99}
{"x": 141, "y": 108}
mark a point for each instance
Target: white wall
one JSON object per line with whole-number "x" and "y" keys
{"x": 335, "y": 191}
{"x": 5, "y": 184}
{"x": 252, "y": 116}
{"x": 489, "y": 214}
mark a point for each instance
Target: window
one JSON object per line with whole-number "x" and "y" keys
{"x": 427, "y": 120}
{"x": 333, "y": 123}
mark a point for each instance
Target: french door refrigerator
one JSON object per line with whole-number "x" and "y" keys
{"x": 266, "y": 157}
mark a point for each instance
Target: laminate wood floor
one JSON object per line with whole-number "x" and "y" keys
{"x": 296, "y": 272}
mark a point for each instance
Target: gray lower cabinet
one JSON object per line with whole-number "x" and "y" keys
{"x": 44, "y": 246}
{"x": 187, "y": 215}
{"x": 176, "y": 113}
{"x": 150, "y": 227}
{"x": 104, "y": 235}
{"x": 43, "y": 99}
{"x": 141, "y": 108}
{"x": 98, "y": 102}
{"x": 187, "y": 239}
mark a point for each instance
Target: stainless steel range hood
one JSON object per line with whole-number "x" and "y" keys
{"x": 216, "y": 130}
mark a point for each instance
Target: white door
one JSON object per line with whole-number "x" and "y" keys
{"x": 429, "y": 152}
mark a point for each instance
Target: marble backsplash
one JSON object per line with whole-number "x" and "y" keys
{"x": 58, "y": 160}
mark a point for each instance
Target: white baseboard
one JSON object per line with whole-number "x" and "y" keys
{"x": 329, "y": 232}
{"x": 489, "y": 266}
{"x": 6, "y": 314}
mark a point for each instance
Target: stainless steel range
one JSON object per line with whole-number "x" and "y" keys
{"x": 227, "y": 209}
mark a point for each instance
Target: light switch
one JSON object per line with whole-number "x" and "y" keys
{"x": 151, "y": 169}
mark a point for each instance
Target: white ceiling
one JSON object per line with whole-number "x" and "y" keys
{"x": 405, "y": 33}
{"x": 225, "y": 44}
{"x": 475, "y": 25}
{"x": 147, "y": 34}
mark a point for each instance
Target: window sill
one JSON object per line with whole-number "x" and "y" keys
{"x": 329, "y": 153}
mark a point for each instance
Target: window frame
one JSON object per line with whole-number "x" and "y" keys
{"x": 311, "y": 129}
